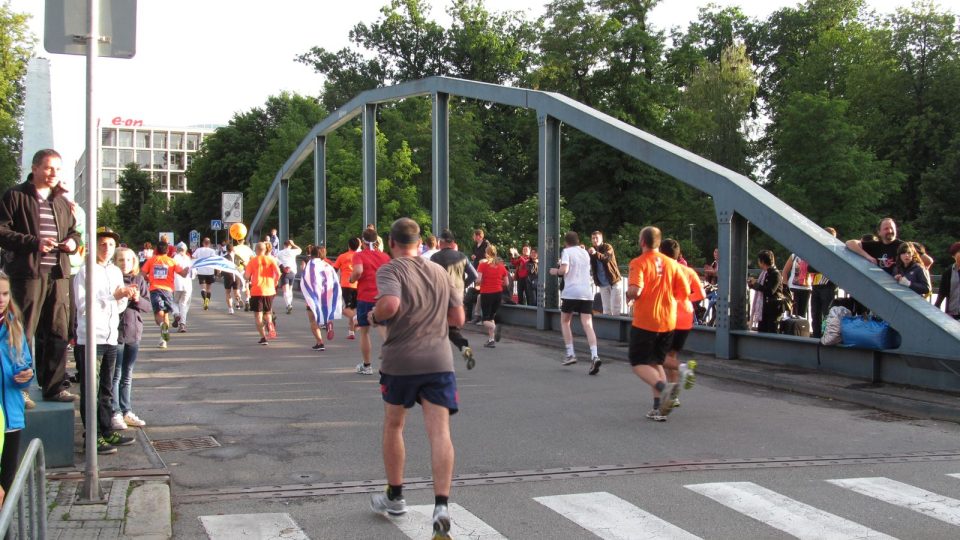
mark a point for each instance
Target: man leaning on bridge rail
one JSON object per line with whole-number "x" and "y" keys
{"x": 417, "y": 302}
{"x": 883, "y": 252}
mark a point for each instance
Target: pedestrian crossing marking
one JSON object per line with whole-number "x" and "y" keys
{"x": 913, "y": 498}
{"x": 231, "y": 527}
{"x": 418, "y": 523}
{"x": 611, "y": 517}
{"x": 788, "y": 515}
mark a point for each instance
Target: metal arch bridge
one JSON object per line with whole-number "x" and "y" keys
{"x": 930, "y": 339}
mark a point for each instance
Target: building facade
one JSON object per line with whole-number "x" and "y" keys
{"x": 164, "y": 153}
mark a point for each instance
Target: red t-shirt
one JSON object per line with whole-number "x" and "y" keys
{"x": 491, "y": 277}
{"x": 367, "y": 284}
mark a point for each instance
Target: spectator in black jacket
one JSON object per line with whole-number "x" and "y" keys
{"x": 38, "y": 233}
{"x": 949, "y": 291}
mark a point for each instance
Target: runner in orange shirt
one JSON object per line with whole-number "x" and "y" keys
{"x": 159, "y": 271}
{"x": 655, "y": 283}
{"x": 263, "y": 272}
{"x": 677, "y": 372}
{"x": 344, "y": 264}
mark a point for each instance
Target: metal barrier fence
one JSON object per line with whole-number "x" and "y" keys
{"x": 27, "y": 499}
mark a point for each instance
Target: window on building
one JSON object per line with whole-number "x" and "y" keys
{"x": 143, "y": 139}
{"x": 126, "y": 138}
{"x": 159, "y": 180}
{"x": 143, "y": 159}
{"x": 112, "y": 195}
{"x": 178, "y": 182}
{"x": 176, "y": 141}
{"x": 193, "y": 141}
{"x": 108, "y": 137}
{"x": 159, "y": 139}
{"x": 108, "y": 179}
{"x": 126, "y": 158}
{"x": 176, "y": 161}
{"x": 108, "y": 157}
{"x": 159, "y": 159}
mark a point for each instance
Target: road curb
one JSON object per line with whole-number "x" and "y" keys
{"x": 149, "y": 515}
{"x": 761, "y": 374}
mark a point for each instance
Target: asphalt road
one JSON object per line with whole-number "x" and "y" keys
{"x": 291, "y": 422}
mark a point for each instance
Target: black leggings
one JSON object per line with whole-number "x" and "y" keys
{"x": 457, "y": 338}
{"x": 10, "y": 459}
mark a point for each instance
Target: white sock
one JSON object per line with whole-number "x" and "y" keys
{"x": 570, "y": 350}
{"x": 288, "y": 297}
{"x": 593, "y": 351}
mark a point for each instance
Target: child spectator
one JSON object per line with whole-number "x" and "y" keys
{"x": 15, "y": 362}
{"x": 909, "y": 270}
{"x": 128, "y": 341}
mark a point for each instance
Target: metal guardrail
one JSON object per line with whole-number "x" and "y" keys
{"x": 27, "y": 499}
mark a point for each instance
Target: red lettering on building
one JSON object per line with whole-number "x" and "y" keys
{"x": 126, "y": 122}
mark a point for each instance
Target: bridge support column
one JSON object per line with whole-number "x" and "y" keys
{"x": 370, "y": 164}
{"x": 548, "y": 231}
{"x": 732, "y": 308}
{"x": 320, "y": 191}
{"x": 284, "y": 199}
{"x": 441, "y": 162}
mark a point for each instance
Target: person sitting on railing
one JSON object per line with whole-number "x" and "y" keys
{"x": 910, "y": 271}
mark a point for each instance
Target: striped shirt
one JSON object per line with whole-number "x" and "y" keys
{"x": 48, "y": 229}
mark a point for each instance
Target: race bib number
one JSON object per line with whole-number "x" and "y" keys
{"x": 160, "y": 272}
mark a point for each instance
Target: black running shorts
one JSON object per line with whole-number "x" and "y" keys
{"x": 648, "y": 348}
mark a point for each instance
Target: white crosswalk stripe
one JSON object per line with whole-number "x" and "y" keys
{"x": 781, "y": 512}
{"x": 913, "y": 498}
{"x": 611, "y": 517}
{"x": 418, "y": 523}
{"x": 231, "y": 527}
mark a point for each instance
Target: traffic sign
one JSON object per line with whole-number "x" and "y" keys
{"x": 194, "y": 239}
{"x": 216, "y": 225}
{"x": 232, "y": 207}
{"x": 66, "y": 27}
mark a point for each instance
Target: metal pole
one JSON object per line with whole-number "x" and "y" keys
{"x": 90, "y": 489}
{"x": 320, "y": 191}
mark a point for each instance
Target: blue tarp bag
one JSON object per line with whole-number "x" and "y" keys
{"x": 868, "y": 333}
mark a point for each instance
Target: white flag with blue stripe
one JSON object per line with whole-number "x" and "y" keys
{"x": 217, "y": 262}
{"x": 321, "y": 291}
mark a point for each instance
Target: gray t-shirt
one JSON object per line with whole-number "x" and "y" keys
{"x": 416, "y": 341}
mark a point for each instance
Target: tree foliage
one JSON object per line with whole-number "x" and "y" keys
{"x": 16, "y": 44}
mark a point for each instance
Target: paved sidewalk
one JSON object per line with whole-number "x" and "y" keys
{"x": 133, "y": 509}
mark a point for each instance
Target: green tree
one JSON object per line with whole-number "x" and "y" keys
{"x": 107, "y": 215}
{"x": 517, "y": 225}
{"x": 136, "y": 191}
{"x": 16, "y": 44}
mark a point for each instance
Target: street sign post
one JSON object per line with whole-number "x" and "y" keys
{"x": 65, "y": 29}
{"x": 194, "y": 239}
{"x": 231, "y": 204}
{"x": 216, "y": 225}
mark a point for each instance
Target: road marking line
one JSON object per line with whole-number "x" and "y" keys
{"x": 418, "y": 523}
{"x": 910, "y": 497}
{"x": 235, "y": 526}
{"x": 781, "y": 512}
{"x": 611, "y": 517}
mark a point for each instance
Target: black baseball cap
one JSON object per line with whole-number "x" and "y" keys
{"x": 446, "y": 235}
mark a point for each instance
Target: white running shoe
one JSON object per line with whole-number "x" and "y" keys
{"x": 364, "y": 369}
{"x": 380, "y": 503}
{"x": 117, "y": 423}
{"x": 133, "y": 420}
{"x": 570, "y": 360}
{"x": 230, "y": 311}
{"x": 163, "y": 344}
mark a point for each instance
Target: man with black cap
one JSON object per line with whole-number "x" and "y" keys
{"x": 463, "y": 275}
{"x": 38, "y": 233}
{"x": 110, "y": 298}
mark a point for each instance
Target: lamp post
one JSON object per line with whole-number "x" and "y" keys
{"x": 691, "y": 232}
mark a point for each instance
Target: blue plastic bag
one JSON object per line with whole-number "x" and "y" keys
{"x": 868, "y": 333}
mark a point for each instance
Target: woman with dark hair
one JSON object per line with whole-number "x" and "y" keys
{"x": 950, "y": 284}
{"x": 769, "y": 306}
{"x": 909, "y": 270}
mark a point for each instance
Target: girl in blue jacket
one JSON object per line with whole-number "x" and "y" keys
{"x": 15, "y": 375}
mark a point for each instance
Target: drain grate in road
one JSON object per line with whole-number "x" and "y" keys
{"x": 881, "y": 416}
{"x": 187, "y": 443}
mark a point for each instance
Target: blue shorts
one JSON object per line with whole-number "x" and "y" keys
{"x": 437, "y": 388}
{"x": 362, "y": 309}
{"x": 161, "y": 300}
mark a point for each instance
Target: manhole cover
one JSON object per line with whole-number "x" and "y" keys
{"x": 188, "y": 443}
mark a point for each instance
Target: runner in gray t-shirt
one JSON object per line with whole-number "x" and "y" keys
{"x": 417, "y": 301}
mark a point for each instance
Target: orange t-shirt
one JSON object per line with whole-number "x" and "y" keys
{"x": 159, "y": 271}
{"x": 344, "y": 264}
{"x": 685, "y": 305}
{"x": 661, "y": 282}
{"x": 263, "y": 271}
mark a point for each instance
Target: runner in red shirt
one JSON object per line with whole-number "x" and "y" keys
{"x": 344, "y": 264}
{"x": 493, "y": 278}
{"x": 365, "y": 265}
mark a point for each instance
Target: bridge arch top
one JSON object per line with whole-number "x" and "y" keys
{"x": 925, "y": 330}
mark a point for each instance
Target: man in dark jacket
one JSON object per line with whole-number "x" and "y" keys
{"x": 606, "y": 274}
{"x": 37, "y": 234}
